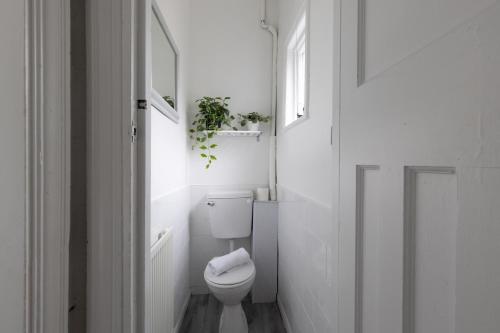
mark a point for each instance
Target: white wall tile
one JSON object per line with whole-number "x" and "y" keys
{"x": 307, "y": 263}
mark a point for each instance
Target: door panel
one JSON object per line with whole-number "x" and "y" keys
{"x": 429, "y": 249}
{"x": 396, "y": 29}
{"x": 478, "y": 251}
{"x": 420, "y": 167}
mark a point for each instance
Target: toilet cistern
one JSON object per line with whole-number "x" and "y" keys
{"x": 230, "y": 216}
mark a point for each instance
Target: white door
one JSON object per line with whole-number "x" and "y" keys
{"x": 420, "y": 166}
{"x": 143, "y": 171}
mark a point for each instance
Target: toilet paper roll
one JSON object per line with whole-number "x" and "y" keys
{"x": 263, "y": 194}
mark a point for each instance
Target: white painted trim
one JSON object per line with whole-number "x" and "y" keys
{"x": 361, "y": 42}
{"x": 305, "y": 9}
{"x": 142, "y": 191}
{"x": 171, "y": 192}
{"x": 336, "y": 114}
{"x": 183, "y": 311}
{"x": 163, "y": 107}
{"x": 34, "y": 190}
{"x": 156, "y": 99}
{"x": 359, "y": 239}
{"x": 48, "y": 140}
{"x": 113, "y": 279}
{"x": 284, "y": 316}
{"x": 409, "y": 241}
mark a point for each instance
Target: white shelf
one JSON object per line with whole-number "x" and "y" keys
{"x": 255, "y": 134}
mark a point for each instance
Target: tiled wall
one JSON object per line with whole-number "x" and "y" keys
{"x": 307, "y": 264}
{"x": 172, "y": 211}
{"x": 203, "y": 245}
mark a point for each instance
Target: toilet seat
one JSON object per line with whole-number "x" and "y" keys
{"x": 232, "y": 278}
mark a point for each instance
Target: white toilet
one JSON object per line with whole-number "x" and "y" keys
{"x": 230, "y": 215}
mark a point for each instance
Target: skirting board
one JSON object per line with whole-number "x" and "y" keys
{"x": 286, "y": 322}
{"x": 183, "y": 311}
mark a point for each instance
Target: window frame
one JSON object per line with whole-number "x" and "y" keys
{"x": 293, "y": 44}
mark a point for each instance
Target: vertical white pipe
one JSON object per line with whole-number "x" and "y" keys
{"x": 263, "y": 11}
{"x": 272, "y": 149}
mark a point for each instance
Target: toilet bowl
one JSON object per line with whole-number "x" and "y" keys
{"x": 230, "y": 216}
{"x": 230, "y": 288}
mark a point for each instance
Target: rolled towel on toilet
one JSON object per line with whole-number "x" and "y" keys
{"x": 219, "y": 265}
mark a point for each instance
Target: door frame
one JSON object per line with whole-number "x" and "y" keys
{"x": 48, "y": 140}
{"x": 115, "y": 286}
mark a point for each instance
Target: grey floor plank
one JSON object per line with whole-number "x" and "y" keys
{"x": 203, "y": 313}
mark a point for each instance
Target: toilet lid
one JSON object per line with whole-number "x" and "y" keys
{"x": 235, "y": 275}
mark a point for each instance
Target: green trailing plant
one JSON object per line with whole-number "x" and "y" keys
{"x": 213, "y": 113}
{"x": 253, "y": 117}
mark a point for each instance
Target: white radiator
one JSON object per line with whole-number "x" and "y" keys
{"x": 162, "y": 297}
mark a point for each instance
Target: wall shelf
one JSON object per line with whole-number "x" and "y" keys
{"x": 255, "y": 134}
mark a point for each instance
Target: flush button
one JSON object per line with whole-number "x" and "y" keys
{"x": 211, "y": 203}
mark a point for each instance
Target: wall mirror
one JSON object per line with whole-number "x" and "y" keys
{"x": 164, "y": 66}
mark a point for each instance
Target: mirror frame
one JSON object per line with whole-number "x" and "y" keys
{"x": 156, "y": 100}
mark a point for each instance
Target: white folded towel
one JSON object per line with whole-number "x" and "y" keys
{"x": 219, "y": 265}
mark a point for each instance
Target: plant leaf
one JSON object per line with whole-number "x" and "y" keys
{"x": 203, "y": 147}
{"x": 214, "y": 145}
{"x": 212, "y": 157}
{"x": 204, "y": 155}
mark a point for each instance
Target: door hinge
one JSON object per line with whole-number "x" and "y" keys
{"x": 133, "y": 133}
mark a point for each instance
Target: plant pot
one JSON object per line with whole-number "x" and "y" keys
{"x": 253, "y": 126}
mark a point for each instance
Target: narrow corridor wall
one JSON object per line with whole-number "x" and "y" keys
{"x": 307, "y": 179}
{"x": 169, "y": 160}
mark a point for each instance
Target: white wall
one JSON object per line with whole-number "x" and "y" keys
{"x": 12, "y": 175}
{"x": 307, "y": 182}
{"x": 230, "y": 56}
{"x": 169, "y": 161}
{"x": 305, "y": 163}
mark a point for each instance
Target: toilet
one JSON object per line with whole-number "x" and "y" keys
{"x": 230, "y": 216}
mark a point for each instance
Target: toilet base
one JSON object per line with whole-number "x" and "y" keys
{"x": 233, "y": 320}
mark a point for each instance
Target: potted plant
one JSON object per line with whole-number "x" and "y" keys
{"x": 212, "y": 115}
{"x": 252, "y": 120}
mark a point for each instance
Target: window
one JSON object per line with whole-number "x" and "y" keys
{"x": 296, "y": 73}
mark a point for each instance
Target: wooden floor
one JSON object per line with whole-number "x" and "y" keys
{"x": 203, "y": 313}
